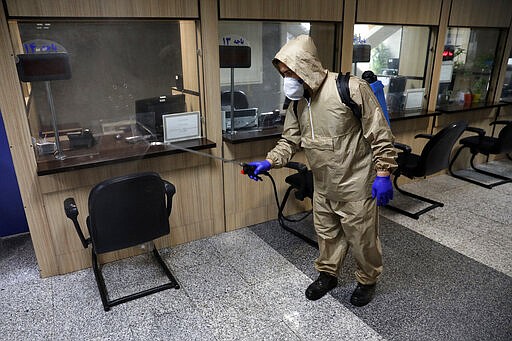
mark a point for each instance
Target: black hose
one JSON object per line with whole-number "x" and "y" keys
{"x": 280, "y": 215}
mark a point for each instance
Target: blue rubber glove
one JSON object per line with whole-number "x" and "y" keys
{"x": 261, "y": 166}
{"x": 382, "y": 189}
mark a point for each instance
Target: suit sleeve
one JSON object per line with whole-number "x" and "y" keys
{"x": 289, "y": 143}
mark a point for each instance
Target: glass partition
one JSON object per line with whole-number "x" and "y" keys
{"x": 506, "y": 93}
{"x": 258, "y": 96}
{"x": 469, "y": 57}
{"x": 124, "y": 76}
{"x": 399, "y": 56}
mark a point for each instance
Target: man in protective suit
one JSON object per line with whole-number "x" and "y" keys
{"x": 351, "y": 161}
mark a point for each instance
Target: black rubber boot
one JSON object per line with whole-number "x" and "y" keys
{"x": 363, "y": 294}
{"x": 323, "y": 284}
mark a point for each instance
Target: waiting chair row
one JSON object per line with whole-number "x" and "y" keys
{"x": 434, "y": 157}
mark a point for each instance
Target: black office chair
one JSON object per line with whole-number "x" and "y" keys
{"x": 239, "y": 99}
{"x": 126, "y": 211}
{"x": 486, "y": 145}
{"x": 302, "y": 185}
{"x": 434, "y": 157}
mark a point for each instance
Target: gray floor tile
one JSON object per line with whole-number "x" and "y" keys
{"x": 78, "y": 308}
{"x": 325, "y": 319}
{"x": 234, "y": 286}
{"x": 122, "y": 335}
{"x": 236, "y": 242}
{"x": 203, "y": 282}
{"x": 180, "y": 321}
{"x": 27, "y": 311}
{"x": 490, "y": 252}
{"x": 238, "y": 314}
{"x": 190, "y": 254}
{"x": 259, "y": 263}
{"x": 17, "y": 253}
{"x": 474, "y": 221}
{"x": 279, "y": 331}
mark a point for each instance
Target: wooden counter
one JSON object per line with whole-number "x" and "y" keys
{"x": 109, "y": 150}
{"x": 253, "y": 135}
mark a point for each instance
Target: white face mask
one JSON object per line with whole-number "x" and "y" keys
{"x": 293, "y": 88}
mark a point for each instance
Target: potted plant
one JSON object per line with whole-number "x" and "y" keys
{"x": 478, "y": 88}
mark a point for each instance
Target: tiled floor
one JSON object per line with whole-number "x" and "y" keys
{"x": 235, "y": 286}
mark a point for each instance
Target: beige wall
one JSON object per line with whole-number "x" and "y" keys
{"x": 319, "y": 10}
{"x": 212, "y": 197}
{"x": 405, "y": 12}
{"x": 481, "y": 13}
{"x": 103, "y": 8}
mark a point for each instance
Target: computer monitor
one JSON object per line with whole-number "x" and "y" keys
{"x": 395, "y": 97}
{"x": 149, "y": 111}
{"x": 244, "y": 119}
{"x": 393, "y": 63}
{"x": 146, "y": 123}
{"x": 397, "y": 84}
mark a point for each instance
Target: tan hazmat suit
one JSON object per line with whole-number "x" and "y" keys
{"x": 344, "y": 154}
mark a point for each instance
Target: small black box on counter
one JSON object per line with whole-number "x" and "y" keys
{"x": 81, "y": 140}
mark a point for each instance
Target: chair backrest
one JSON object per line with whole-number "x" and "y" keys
{"x": 435, "y": 156}
{"x": 505, "y": 139}
{"x": 128, "y": 210}
{"x": 239, "y": 99}
{"x": 302, "y": 182}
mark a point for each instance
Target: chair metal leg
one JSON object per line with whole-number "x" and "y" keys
{"x": 465, "y": 178}
{"x": 414, "y": 215}
{"x": 281, "y": 219}
{"x": 308, "y": 240}
{"x": 166, "y": 269}
{"x": 100, "y": 281}
{"x": 503, "y": 179}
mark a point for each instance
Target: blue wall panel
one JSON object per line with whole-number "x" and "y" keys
{"x": 12, "y": 215}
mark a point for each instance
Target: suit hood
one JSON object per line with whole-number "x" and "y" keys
{"x": 300, "y": 56}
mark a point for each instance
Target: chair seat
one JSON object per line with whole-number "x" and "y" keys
{"x": 408, "y": 164}
{"x": 482, "y": 144}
